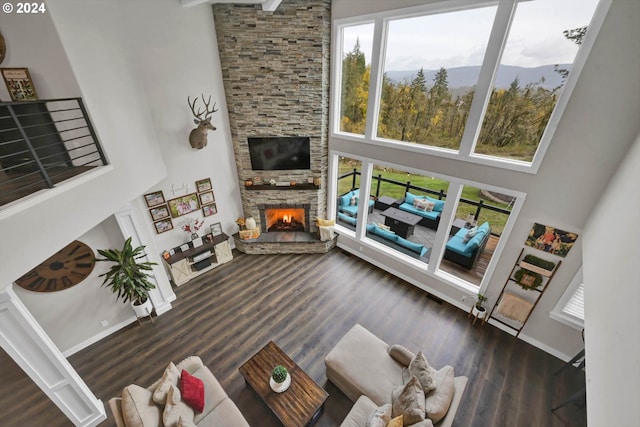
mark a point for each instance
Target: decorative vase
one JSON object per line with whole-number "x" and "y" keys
{"x": 280, "y": 387}
{"x": 250, "y": 223}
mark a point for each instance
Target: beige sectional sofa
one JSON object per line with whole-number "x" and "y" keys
{"x": 366, "y": 369}
{"x": 136, "y": 406}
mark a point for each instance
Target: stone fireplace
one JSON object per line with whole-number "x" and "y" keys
{"x": 275, "y": 68}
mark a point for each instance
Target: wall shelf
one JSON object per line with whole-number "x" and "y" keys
{"x": 302, "y": 186}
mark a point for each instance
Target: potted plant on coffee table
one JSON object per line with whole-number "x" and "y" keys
{"x": 128, "y": 277}
{"x": 280, "y": 379}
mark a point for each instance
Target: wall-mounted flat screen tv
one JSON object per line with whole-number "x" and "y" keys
{"x": 280, "y": 153}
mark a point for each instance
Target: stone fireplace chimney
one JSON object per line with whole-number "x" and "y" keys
{"x": 275, "y": 68}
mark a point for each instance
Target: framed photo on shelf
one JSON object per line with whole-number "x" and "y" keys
{"x": 19, "y": 84}
{"x": 161, "y": 212}
{"x": 209, "y": 210}
{"x": 183, "y": 205}
{"x": 206, "y": 198}
{"x": 154, "y": 199}
{"x": 203, "y": 185}
{"x": 164, "y": 225}
{"x": 216, "y": 229}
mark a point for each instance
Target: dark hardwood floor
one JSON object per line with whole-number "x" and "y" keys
{"x": 305, "y": 303}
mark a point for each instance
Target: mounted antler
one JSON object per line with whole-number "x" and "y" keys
{"x": 198, "y": 136}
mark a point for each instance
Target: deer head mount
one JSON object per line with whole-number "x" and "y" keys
{"x": 198, "y": 136}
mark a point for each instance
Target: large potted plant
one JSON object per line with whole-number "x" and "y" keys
{"x": 478, "y": 310}
{"x": 128, "y": 277}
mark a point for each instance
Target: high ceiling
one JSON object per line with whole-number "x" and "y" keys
{"x": 267, "y": 5}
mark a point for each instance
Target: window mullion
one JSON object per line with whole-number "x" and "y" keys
{"x": 497, "y": 41}
{"x": 375, "y": 78}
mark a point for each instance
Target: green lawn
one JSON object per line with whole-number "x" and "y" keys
{"x": 495, "y": 219}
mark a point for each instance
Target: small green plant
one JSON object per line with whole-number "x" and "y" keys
{"x": 480, "y": 299}
{"x": 527, "y": 279}
{"x": 539, "y": 262}
{"x": 279, "y": 374}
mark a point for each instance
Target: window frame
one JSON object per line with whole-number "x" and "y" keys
{"x": 497, "y": 40}
{"x": 558, "y": 313}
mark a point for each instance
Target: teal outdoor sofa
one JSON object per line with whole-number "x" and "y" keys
{"x": 430, "y": 217}
{"x": 465, "y": 250}
{"x": 348, "y": 203}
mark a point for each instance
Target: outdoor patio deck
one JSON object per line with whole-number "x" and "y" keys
{"x": 426, "y": 236}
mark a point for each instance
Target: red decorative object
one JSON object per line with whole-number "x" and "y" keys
{"x": 192, "y": 390}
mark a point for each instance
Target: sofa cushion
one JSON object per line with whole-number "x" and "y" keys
{"x": 347, "y": 218}
{"x": 380, "y": 417}
{"x": 225, "y": 414}
{"x": 360, "y": 412}
{"x": 438, "y": 401}
{"x": 175, "y": 409}
{"x": 192, "y": 390}
{"x": 409, "y": 401}
{"x": 346, "y": 199}
{"x": 438, "y": 204}
{"x": 420, "y": 368}
{"x": 213, "y": 391}
{"x": 351, "y": 210}
{"x": 469, "y": 234}
{"x": 185, "y": 423}
{"x": 389, "y": 235}
{"x": 169, "y": 378}
{"x": 360, "y": 364}
{"x": 139, "y": 409}
{"x": 426, "y": 214}
{"x": 401, "y": 354}
{"x": 415, "y": 247}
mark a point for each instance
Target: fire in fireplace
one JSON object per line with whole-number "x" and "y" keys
{"x": 289, "y": 219}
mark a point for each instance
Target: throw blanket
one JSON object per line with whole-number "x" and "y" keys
{"x": 514, "y": 307}
{"x": 326, "y": 232}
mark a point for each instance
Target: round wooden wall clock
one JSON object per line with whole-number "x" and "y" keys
{"x": 3, "y": 48}
{"x": 66, "y": 268}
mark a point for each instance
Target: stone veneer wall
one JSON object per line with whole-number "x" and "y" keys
{"x": 275, "y": 68}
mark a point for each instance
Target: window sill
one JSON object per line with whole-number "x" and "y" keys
{"x": 568, "y": 321}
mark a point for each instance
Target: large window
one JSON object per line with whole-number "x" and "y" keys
{"x": 485, "y": 84}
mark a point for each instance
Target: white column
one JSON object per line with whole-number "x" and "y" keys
{"x": 131, "y": 226}
{"x": 29, "y": 345}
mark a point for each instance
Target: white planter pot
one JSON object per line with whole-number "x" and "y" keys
{"x": 479, "y": 314}
{"x": 280, "y": 387}
{"x": 144, "y": 309}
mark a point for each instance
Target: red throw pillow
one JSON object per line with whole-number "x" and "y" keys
{"x": 192, "y": 390}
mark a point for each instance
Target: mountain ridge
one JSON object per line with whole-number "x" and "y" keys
{"x": 468, "y": 76}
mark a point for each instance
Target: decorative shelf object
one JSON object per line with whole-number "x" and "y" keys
{"x": 522, "y": 291}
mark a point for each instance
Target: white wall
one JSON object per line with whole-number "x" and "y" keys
{"x": 598, "y": 127}
{"x": 72, "y": 316}
{"x": 612, "y": 292}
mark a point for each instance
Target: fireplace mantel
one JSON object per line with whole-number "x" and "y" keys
{"x": 268, "y": 187}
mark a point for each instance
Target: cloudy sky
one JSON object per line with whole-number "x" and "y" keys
{"x": 459, "y": 38}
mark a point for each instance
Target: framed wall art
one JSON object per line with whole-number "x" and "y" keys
{"x": 203, "y": 185}
{"x": 550, "y": 239}
{"x": 154, "y": 199}
{"x": 164, "y": 225}
{"x": 206, "y": 198}
{"x": 183, "y": 205}
{"x": 19, "y": 84}
{"x": 209, "y": 210}
{"x": 216, "y": 229}
{"x": 160, "y": 212}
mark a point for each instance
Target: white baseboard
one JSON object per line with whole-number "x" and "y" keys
{"x": 94, "y": 339}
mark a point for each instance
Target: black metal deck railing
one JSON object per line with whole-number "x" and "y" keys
{"x": 379, "y": 179}
{"x": 43, "y": 143}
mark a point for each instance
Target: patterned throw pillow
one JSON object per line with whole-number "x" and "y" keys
{"x": 380, "y": 417}
{"x": 408, "y": 401}
{"x": 419, "y": 367}
{"x": 396, "y": 422}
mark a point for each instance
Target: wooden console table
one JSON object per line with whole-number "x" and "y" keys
{"x": 185, "y": 265}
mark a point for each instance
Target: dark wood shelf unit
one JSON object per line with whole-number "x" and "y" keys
{"x": 303, "y": 186}
{"x": 191, "y": 252}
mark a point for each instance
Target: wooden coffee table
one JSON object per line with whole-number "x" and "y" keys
{"x": 301, "y": 404}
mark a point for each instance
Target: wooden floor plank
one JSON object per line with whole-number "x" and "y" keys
{"x": 306, "y": 303}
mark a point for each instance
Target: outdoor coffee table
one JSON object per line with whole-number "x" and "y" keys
{"x": 301, "y": 404}
{"x": 400, "y": 222}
